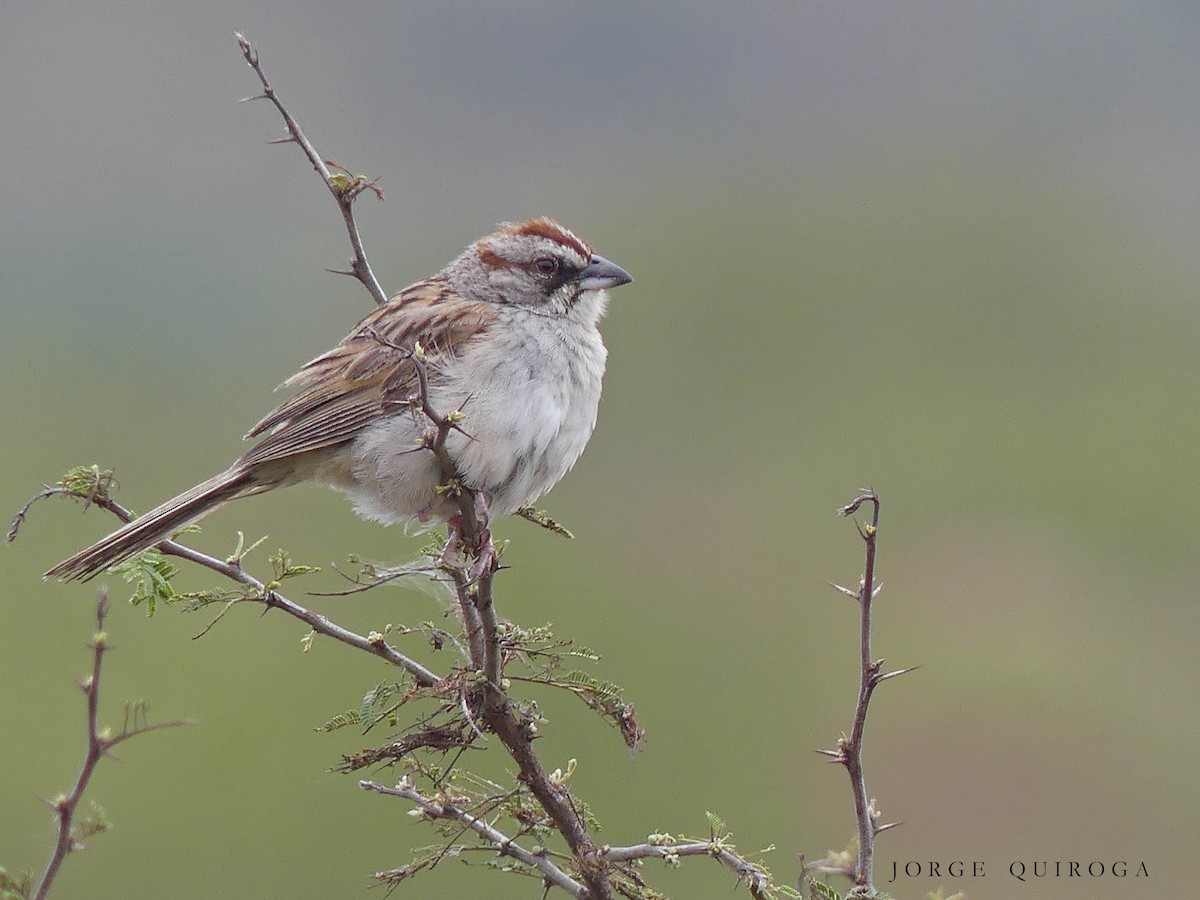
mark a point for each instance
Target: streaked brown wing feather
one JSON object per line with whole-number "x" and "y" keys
{"x": 365, "y": 376}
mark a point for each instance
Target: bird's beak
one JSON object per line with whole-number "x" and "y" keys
{"x": 601, "y": 274}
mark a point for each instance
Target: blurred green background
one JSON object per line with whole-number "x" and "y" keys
{"x": 944, "y": 249}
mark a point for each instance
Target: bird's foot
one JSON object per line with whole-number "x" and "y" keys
{"x": 485, "y": 563}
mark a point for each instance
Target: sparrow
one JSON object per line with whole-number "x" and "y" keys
{"x": 509, "y": 337}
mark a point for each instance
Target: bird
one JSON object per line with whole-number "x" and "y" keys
{"x": 506, "y": 336}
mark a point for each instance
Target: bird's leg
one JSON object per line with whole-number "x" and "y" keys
{"x": 452, "y": 553}
{"x": 485, "y": 557}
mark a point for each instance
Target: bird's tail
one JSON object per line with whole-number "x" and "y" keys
{"x": 161, "y": 522}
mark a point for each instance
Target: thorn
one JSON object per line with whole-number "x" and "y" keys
{"x": 895, "y": 674}
{"x": 875, "y": 592}
{"x": 883, "y": 828}
{"x": 255, "y": 97}
{"x": 462, "y": 431}
{"x": 290, "y": 139}
{"x": 342, "y": 272}
{"x": 462, "y": 697}
{"x": 844, "y": 590}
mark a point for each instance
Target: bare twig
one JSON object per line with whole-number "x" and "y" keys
{"x": 867, "y": 681}
{"x": 756, "y": 879}
{"x": 504, "y": 845}
{"x": 19, "y": 519}
{"x": 99, "y": 743}
{"x": 344, "y": 186}
{"x": 849, "y": 749}
{"x": 360, "y": 586}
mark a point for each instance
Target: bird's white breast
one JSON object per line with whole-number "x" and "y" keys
{"x": 529, "y": 393}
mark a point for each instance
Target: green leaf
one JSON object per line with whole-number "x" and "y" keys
{"x": 94, "y": 822}
{"x": 715, "y": 823}
{"x": 822, "y": 890}
{"x": 91, "y": 481}
{"x": 281, "y": 562}
{"x": 341, "y": 720}
{"x": 18, "y": 888}
{"x": 150, "y": 573}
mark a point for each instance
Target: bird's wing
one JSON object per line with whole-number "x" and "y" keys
{"x": 369, "y": 374}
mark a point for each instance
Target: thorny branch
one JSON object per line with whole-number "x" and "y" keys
{"x": 849, "y": 749}
{"x": 344, "y": 186}
{"x": 99, "y": 743}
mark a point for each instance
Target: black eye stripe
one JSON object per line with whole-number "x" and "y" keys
{"x": 552, "y": 272}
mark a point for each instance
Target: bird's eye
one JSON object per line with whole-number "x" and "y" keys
{"x": 546, "y": 265}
